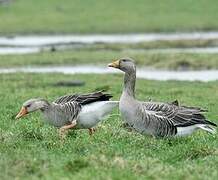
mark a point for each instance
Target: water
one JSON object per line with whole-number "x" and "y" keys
{"x": 28, "y": 50}
{"x": 110, "y": 38}
{"x": 35, "y": 44}
{"x": 19, "y": 50}
{"x": 162, "y": 75}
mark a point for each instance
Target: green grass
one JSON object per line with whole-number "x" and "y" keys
{"x": 103, "y": 57}
{"x": 108, "y": 16}
{"x": 160, "y": 44}
{"x": 31, "y": 149}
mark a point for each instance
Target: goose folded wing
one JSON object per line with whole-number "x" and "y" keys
{"x": 179, "y": 115}
{"x": 83, "y": 98}
{"x": 70, "y": 109}
{"x": 66, "y": 98}
{"x": 160, "y": 124}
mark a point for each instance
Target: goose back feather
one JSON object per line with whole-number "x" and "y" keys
{"x": 83, "y": 98}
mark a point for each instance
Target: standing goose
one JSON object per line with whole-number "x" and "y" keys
{"x": 72, "y": 111}
{"x": 156, "y": 118}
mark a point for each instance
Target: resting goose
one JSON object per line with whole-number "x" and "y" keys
{"x": 72, "y": 111}
{"x": 156, "y": 118}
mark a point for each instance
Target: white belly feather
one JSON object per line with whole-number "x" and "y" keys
{"x": 93, "y": 113}
{"x": 185, "y": 131}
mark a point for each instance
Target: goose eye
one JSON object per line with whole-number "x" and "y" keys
{"x": 28, "y": 105}
{"x": 124, "y": 60}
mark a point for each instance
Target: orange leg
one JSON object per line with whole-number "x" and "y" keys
{"x": 91, "y": 131}
{"x": 64, "y": 129}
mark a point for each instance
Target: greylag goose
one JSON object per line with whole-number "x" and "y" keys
{"x": 72, "y": 111}
{"x": 156, "y": 118}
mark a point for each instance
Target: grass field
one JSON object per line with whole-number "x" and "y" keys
{"x": 103, "y": 57}
{"x": 31, "y": 149}
{"x": 108, "y": 16}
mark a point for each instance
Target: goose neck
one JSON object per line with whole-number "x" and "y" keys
{"x": 44, "y": 105}
{"x": 129, "y": 83}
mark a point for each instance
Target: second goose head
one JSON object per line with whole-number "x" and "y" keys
{"x": 126, "y": 65}
{"x": 31, "y": 105}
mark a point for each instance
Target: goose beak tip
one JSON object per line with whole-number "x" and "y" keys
{"x": 22, "y": 113}
{"x": 114, "y": 64}
{"x": 110, "y": 65}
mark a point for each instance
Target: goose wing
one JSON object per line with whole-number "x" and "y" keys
{"x": 83, "y": 98}
{"x": 69, "y": 110}
{"x": 66, "y": 98}
{"x": 180, "y": 116}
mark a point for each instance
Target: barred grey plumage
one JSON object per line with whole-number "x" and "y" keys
{"x": 156, "y": 118}
{"x": 84, "y": 98}
{"x": 86, "y": 109}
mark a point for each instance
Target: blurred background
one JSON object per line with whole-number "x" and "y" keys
{"x": 176, "y": 35}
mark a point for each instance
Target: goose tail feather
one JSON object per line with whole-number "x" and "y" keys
{"x": 207, "y": 128}
{"x": 211, "y": 123}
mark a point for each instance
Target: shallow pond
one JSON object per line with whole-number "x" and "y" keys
{"x": 33, "y": 44}
{"x": 162, "y": 75}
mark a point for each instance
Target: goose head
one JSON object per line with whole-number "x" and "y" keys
{"x": 126, "y": 65}
{"x": 30, "y": 106}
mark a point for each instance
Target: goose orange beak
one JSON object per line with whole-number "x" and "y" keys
{"x": 115, "y": 64}
{"x": 22, "y": 113}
